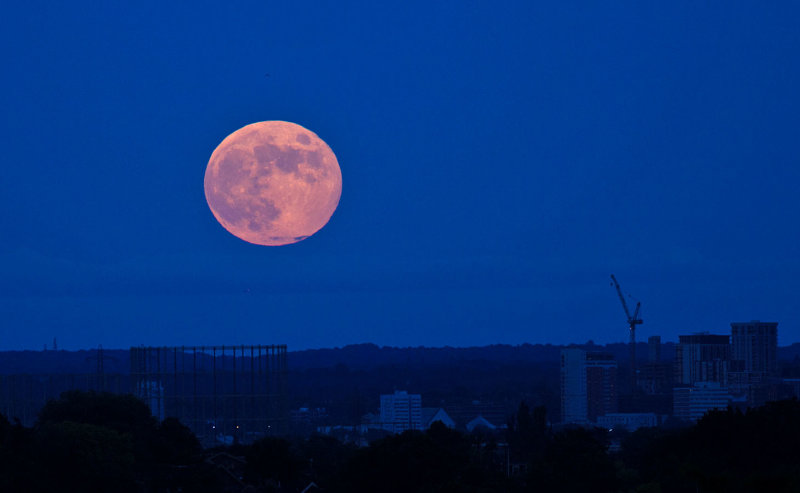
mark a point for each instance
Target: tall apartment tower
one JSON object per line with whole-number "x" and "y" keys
{"x": 588, "y": 385}
{"x": 702, "y": 358}
{"x": 401, "y": 411}
{"x": 654, "y": 377}
{"x": 755, "y": 346}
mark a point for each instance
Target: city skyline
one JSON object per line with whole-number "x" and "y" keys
{"x": 708, "y": 372}
{"x": 55, "y": 344}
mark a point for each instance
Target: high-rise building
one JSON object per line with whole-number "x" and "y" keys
{"x": 654, "y": 377}
{"x": 702, "y": 358}
{"x": 601, "y": 385}
{"x": 401, "y": 411}
{"x": 755, "y": 344}
{"x": 755, "y": 360}
{"x": 588, "y": 385}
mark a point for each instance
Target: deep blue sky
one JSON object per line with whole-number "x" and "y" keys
{"x": 499, "y": 162}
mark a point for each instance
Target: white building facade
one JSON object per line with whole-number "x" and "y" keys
{"x": 588, "y": 385}
{"x": 401, "y": 411}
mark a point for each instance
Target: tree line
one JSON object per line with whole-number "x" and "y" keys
{"x": 87, "y": 441}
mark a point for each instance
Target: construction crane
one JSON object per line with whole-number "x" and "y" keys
{"x": 633, "y": 321}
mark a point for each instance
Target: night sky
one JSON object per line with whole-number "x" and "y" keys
{"x": 499, "y": 162}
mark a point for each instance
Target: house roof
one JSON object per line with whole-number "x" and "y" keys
{"x": 480, "y": 421}
{"x": 431, "y": 414}
{"x": 428, "y": 413}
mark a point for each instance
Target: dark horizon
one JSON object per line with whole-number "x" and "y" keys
{"x": 49, "y": 347}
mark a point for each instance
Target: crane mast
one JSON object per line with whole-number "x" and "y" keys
{"x": 633, "y": 321}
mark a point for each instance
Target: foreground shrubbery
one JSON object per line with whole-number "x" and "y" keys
{"x": 727, "y": 451}
{"x": 87, "y": 441}
{"x": 103, "y": 442}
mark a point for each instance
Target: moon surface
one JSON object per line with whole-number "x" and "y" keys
{"x": 273, "y": 183}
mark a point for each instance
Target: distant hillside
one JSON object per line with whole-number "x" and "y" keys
{"x": 78, "y": 362}
{"x": 357, "y": 357}
{"x": 364, "y": 356}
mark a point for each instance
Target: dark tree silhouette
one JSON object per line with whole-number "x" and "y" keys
{"x": 726, "y": 451}
{"x": 121, "y": 413}
{"x": 324, "y": 456}
{"x": 528, "y": 434}
{"x": 272, "y": 459}
{"x": 576, "y": 460}
{"x": 175, "y": 443}
{"x": 120, "y": 430}
{"x": 438, "y": 460}
{"x": 18, "y": 459}
{"x": 77, "y": 457}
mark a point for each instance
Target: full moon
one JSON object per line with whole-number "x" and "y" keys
{"x": 273, "y": 183}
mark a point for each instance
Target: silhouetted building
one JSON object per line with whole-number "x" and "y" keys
{"x": 753, "y": 378}
{"x": 702, "y": 358}
{"x": 755, "y": 344}
{"x": 601, "y": 374}
{"x": 304, "y": 420}
{"x": 588, "y": 385}
{"x": 755, "y": 388}
{"x": 654, "y": 378}
{"x": 691, "y": 403}
{"x": 401, "y": 411}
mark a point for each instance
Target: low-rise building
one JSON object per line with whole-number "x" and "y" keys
{"x": 431, "y": 415}
{"x": 462, "y": 415}
{"x": 480, "y": 422}
{"x": 692, "y": 403}
{"x": 629, "y": 421}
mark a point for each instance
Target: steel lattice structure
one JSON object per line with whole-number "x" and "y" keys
{"x": 224, "y": 394}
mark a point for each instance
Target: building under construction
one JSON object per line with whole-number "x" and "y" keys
{"x": 224, "y": 394}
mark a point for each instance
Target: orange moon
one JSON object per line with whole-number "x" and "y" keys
{"x": 273, "y": 183}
